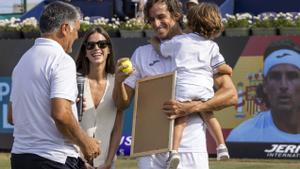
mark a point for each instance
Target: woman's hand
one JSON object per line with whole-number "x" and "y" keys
{"x": 84, "y": 106}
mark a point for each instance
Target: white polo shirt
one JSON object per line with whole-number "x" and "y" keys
{"x": 44, "y": 72}
{"x": 148, "y": 63}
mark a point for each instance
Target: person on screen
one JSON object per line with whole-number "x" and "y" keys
{"x": 281, "y": 89}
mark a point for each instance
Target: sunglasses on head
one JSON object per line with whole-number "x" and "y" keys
{"x": 101, "y": 44}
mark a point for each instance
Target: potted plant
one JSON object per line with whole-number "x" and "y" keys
{"x": 238, "y": 24}
{"x": 29, "y": 28}
{"x": 132, "y": 28}
{"x": 288, "y": 23}
{"x": 10, "y": 29}
{"x": 112, "y": 26}
{"x": 264, "y": 24}
{"x": 84, "y": 26}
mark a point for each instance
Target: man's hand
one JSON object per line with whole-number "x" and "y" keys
{"x": 90, "y": 149}
{"x": 120, "y": 75}
{"x": 174, "y": 109}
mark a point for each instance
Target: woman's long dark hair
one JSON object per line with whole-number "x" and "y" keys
{"x": 83, "y": 63}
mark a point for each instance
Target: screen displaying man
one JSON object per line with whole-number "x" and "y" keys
{"x": 281, "y": 90}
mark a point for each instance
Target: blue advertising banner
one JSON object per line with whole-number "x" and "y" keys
{"x": 5, "y": 83}
{"x": 124, "y": 148}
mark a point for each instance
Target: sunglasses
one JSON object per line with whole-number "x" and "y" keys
{"x": 101, "y": 44}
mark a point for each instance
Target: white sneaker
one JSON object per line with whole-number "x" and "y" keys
{"x": 173, "y": 161}
{"x": 222, "y": 152}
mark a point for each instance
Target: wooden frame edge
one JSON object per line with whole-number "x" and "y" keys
{"x": 171, "y": 124}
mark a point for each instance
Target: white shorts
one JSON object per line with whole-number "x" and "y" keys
{"x": 187, "y": 161}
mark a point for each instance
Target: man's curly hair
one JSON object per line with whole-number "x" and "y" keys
{"x": 174, "y": 7}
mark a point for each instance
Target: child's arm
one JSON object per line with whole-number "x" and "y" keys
{"x": 165, "y": 49}
{"x": 155, "y": 42}
{"x": 224, "y": 69}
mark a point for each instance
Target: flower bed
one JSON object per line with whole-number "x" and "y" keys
{"x": 240, "y": 24}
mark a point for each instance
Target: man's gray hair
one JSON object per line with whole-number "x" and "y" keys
{"x": 57, "y": 13}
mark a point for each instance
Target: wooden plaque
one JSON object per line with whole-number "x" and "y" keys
{"x": 152, "y": 131}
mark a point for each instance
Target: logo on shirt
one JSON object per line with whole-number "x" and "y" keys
{"x": 155, "y": 61}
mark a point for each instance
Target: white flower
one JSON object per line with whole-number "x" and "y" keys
{"x": 239, "y": 20}
{"x": 10, "y": 25}
{"x": 84, "y": 22}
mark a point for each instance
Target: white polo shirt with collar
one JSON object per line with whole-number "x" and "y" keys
{"x": 148, "y": 63}
{"x": 44, "y": 72}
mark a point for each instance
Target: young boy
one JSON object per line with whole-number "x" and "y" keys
{"x": 196, "y": 58}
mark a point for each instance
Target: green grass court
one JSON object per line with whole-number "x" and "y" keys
{"x": 127, "y": 163}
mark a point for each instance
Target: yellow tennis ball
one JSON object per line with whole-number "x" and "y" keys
{"x": 127, "y": 63}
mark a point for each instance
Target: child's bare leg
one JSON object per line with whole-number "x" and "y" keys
{"x": 180, "y": 124}
{"x": 215, "y": 131}
{"x": 214, "y": 127}
{"x": 174, "y": 159}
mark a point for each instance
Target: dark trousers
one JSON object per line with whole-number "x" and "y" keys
{"x": 32, "y": 161}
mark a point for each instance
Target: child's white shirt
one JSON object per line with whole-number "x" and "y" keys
{"x": 195, "y": 60}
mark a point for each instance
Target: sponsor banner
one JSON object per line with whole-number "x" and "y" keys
{"x": 125, "y": 143}
{"x": 264, "y": 150}
{"x": 5, "y": 84}
{"x": 124, "y": 148}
